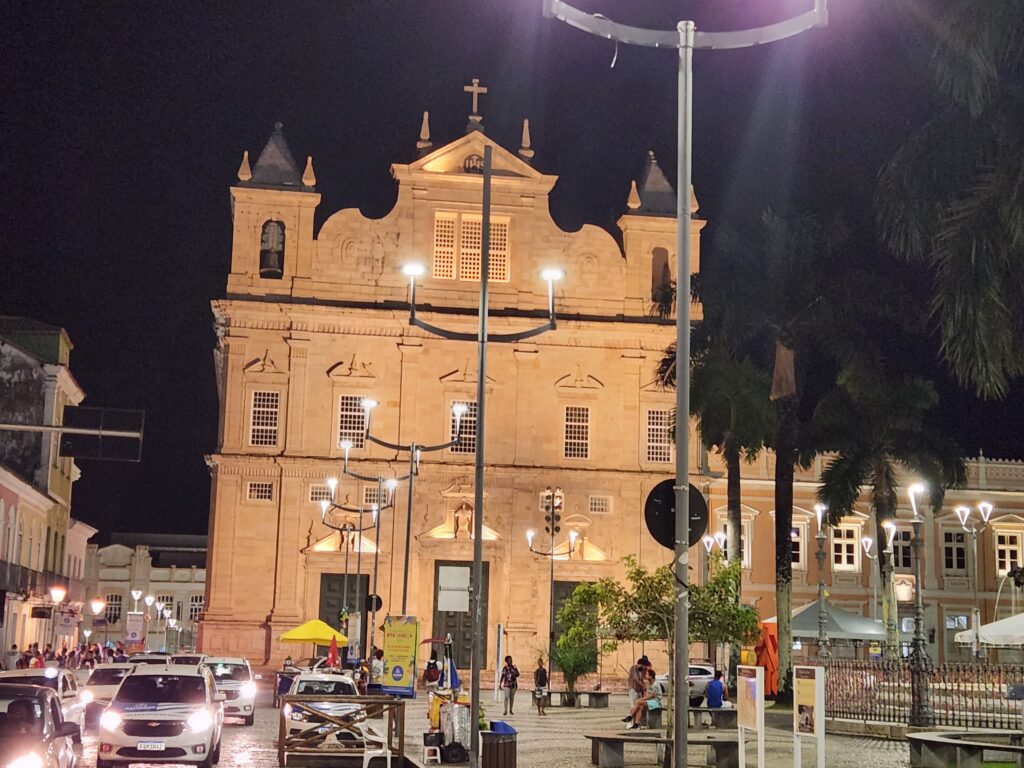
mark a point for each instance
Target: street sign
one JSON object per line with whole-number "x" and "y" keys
{"x": 118, "y": 434}
{"x": 660, "y": 514}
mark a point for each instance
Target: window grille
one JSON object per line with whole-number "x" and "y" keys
{"x": 659, "y": 436}
{"x": 113, "y": 612}
{"x": 470, "y": 244}
{"x": 467, "y": 428}
{"x": 796, "y": 538}
{"x": 195, "y": 607}
{"x": 445, "y": 225}
{"x": 600, "y": 505}
{"x": 318, "y": 493}
{"x": 577, "y": 432}
{"x": 498, "y": 265}
{"x": 260, "y": 491}
{"x": 351, "y": 420}
{"x": 1007, "y": 551}
{"x": 458, "y": 247}
{"x": 844, "y": 548}
{"x": 902, "y": 553}
{"x": 263, "y": 418}
{"x": 954, "y": 551}
{"x": 370, "y": 495}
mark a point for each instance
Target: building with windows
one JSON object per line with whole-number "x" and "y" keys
{"x": 169, "y": 568}
{"x": 315, "y": 321}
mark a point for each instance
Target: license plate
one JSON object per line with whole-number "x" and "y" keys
{"x": 150, "y": 746}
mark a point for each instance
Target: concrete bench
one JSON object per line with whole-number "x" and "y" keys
{"x": 595, "y": 699}
{"x": 964, "y": 750}
{"x": 607, "y": 748}
{"x": 721, "y": 717}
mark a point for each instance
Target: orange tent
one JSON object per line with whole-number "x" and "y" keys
{"x": 767, "y": 651}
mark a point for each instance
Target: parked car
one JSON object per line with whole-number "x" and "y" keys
{"x": 168, "y": 714}
{"x": 308, "y": 664}
{"x": 60, "y": 681}
{"x": 324, "y": 684}
{"x": 698, "y": 679}
{"x": 33, "y": 732}
{"x": 149, "y": 657}
{"x": 188, "y": 658}
{"x": 100, "y": 688}
{"x": 234, "y": 678}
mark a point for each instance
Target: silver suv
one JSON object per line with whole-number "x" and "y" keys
{"x": 698, "y": 679}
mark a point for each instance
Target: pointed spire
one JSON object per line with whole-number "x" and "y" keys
{"x": 244, "y": 171}
{"x": 424, "y": 144}
{"x": 525, "y": 150}
{"x": 308, "y": 176}
{"x": 276, "y": 167}
{"x": 633, "y": 201}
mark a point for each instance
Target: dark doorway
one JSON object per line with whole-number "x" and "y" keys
{"x": 451, "y": 581}
{"x": 332, "y": 600}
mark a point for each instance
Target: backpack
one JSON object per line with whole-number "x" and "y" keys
{"x": 432, "y": 674}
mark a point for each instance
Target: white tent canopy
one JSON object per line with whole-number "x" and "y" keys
{"x": 1005, "y": 632}
{"x": 842, "y": 624}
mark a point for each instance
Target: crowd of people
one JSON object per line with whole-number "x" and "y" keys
{"x": 84, "y": 656}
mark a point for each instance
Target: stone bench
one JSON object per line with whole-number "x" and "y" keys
{"x": 595, "y": 699}
{"x": 965, "y": 750}
{"x": 721, "y": 717}
{"x": 607, "y": 748}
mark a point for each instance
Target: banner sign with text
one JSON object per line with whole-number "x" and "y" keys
{"x": 750, "y": 703}
{"x": 809, "y": 711}
{"x": 401, "y": 641}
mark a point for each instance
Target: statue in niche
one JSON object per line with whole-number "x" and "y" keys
{"x": 462, "y": 520}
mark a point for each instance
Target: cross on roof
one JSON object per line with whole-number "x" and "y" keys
{"x": 476, "y": 89}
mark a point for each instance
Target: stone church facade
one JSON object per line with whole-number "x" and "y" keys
{"x": 313, "y": 322}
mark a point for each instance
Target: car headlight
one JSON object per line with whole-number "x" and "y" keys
{"x": 249, "y": 690}
{"x": 31, "y": 760}
{"x": 87, "y": 697}
{"x": 110, "y": 720}
{"x": 200, "y": 720}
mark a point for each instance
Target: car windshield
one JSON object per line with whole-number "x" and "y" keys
{"x": 222, "y": 672}
{"x": 186, "y": 659}
{"x": 22, "y": 716}
{"x": 43, "y": 680}
{"x": 157, "y": 660}
{"x": 107, "y": 676}
{"x": 162, "y": 689}
{"x": 327, "y": 687}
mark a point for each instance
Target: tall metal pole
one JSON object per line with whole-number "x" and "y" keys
{"x": 823, "y": 649}
{"x": 681, "y": 644}
{"x": 976, "y": 618}
{"x": 551, "y": 621}
{"x": 376, "y": 562}
{"x": 920, "y": 662}
{"x": 408, "y": 529}
{"x": 479, "y": 630}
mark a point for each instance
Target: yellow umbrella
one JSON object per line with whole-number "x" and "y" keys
{"x": 314, "y": 631}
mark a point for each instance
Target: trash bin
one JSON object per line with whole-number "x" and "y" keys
{"x": 498, "y": 746}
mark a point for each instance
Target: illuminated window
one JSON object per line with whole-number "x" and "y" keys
{"x": 954, "y": 552}
{"x": 902, "y": 550}
{"x": 260, "y": 491}
{"x": 1007, "y": 551}
{"x": 659, "y": 436}
{"x": 263, "y": 418}
{"x": 113, "y": 613}
{"x": 467, "y": 428}
{"x": 845, "y": 548}
{"x": 458, "y": 247}
{"x": 351, "y": 420}
{"x": 796, "y": 538}
{"x": 577, "y": 432}
{"x": 318, "y": 493}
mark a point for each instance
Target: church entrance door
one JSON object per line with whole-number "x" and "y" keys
{"x": 332, "y": 600}
{"x": 452, "y": 607}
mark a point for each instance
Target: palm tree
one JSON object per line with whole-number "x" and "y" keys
{"x": 953, "y": 196}
{"x": 876, "y": 425}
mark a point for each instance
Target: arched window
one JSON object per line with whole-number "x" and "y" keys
{"x": 272, "y": 250}
{"x": 662, "y": 287}
{"x": 113, "y": 614}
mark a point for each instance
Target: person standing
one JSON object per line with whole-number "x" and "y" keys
{"x": 509, "y": 684}
{"x": 13, "y": 655}
{"x": 540, "y": 686}
{"x": 431, "y": 673}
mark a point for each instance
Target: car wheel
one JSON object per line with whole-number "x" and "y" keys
{"x": 215, "y": 755}
{"x": 249, "y": 720}
{"x": 207, "y": 763}
{"x": 101, "y": 763}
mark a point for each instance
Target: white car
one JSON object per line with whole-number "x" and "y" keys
{"x": 188, "y": 658}
{"x": 33, "y": 733}
{"x": 100, "y": 688}
{"x": 168, "y": 714}
{"x": 234, "y": 678}
{"x": 325, "y": 684}
{"x": 149, "y": 657}
{"x": 60, "y": 681}
{"x": 698, "y": 679}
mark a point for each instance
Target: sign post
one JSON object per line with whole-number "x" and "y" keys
{"x": 809, "y": 712}
{"x": 401, "y": 641}
{"x": 750, "y": 703}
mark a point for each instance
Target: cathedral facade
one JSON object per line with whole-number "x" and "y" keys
{"x": 316, "y": 322}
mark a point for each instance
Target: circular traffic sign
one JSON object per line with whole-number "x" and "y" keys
{"x": 660, "y": 514}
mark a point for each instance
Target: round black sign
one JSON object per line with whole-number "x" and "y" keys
{"x": 660, "y": 514}
{"x": 373, "y": 603}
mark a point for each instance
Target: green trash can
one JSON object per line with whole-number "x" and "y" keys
{"x": 498, "y": 746}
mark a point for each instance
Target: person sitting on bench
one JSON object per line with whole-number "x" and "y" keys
{"x": 651, "y": 700}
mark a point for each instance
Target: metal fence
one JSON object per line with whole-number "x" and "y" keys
{"x": 958, "y": 695}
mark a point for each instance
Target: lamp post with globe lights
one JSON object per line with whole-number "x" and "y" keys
{"x": 920, "y": 661}
{"x": 867, "y": 543}
{"x": 136, "y": 596}
{"x": 550, "y": 275}
{"x": 889, "y": 596}
{"x": 823, "y": 644}
{"x": 684, "y": 39}
{"x": 963, "y": 513}
{"x": 553, "y": 504}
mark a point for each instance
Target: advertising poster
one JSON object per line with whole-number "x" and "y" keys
{"x": 134, "y": 628}
{"x": 401, "y": 639}
{"x": 805, "y": 719}
{"x": 747, "y": 696}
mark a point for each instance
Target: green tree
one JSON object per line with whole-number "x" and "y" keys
{"x": 952, "y": 197}
{"x": 876, "y": 425}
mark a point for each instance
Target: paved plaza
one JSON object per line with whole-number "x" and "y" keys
{"x": 547, "y": 742}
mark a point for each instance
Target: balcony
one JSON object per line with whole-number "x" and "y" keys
{"x": 18, "y": 578}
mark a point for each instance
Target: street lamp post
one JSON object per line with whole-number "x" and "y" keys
{"x": 684, "y": 38}
{"x": 823, "y": 644}
{"x": 553, "y": 503}
{"x": 891, "y": 625}
{"x": 167, "y": 617}
{"x": 57, "y": 595}
{"x": 481, "y": 337}
{"x": 136, "y": 596}
{"x": 920, "y": 661}
{"x": 964, "y": 514}
{"x": 867, "y": 542}
{"x": 97, "y": 605}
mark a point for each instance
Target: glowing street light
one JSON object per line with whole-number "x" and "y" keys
{"x": 58, "y": 593}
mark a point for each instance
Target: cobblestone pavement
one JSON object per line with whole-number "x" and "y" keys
{"x": 545, "y": 742}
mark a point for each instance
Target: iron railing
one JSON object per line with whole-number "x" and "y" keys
{"x": 959, "y": 695}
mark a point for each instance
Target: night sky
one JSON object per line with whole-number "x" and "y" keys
{"x": 122, "y": 127}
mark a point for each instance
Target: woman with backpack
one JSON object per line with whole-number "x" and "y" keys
{"x": 432, "y": 673}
